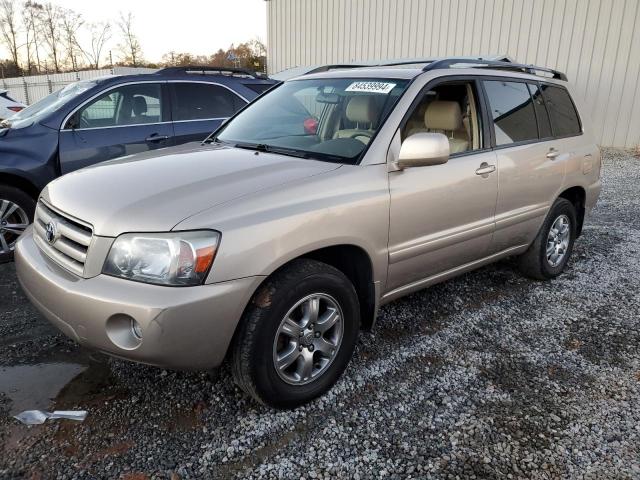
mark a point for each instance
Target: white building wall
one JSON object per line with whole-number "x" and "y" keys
{"x": 596, "y": 42}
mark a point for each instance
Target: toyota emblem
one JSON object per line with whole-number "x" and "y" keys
{"x": 51, "y": 232}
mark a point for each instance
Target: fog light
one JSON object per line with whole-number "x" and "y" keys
{"x": 136, "y": 329}
{"x": 124, "y": 331}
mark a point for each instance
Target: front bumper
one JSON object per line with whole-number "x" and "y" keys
{"x": 182, "y": 327}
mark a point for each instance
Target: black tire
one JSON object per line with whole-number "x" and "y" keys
{"x": 534, "y": 263}
{"x": 26, "y": 203}
{"x": 253, "y": 347}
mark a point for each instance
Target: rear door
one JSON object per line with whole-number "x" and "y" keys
{"x": 122, "y": 120}
{"x": 530, "y": 161}
{"x": 198, "y": 108}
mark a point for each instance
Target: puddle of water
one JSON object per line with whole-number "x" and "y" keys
{"x": 34, "y": 387}
{"x": 81, "y": 380}
{"x": 57, "y": 381}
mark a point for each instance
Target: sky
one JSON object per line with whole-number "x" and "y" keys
{"x": 199, "y": 27}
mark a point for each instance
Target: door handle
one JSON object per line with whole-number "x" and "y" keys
{"x": 485, "y": 169}
{"x": 156, "y": 138}
{"x": 552, "y": 154}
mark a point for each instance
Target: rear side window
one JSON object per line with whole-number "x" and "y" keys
{"x": 202, "y": 101}
{"x": 564, "y": 118}
{"x": 544, "y": 125}
{"x": 512, "y": 111}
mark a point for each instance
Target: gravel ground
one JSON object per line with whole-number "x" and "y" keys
{"x": 489, "y": 375}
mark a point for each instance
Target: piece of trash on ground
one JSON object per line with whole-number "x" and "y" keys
{"x": 37, "y": 417}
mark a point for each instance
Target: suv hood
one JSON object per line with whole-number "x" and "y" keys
{"x": 154, "y": 191}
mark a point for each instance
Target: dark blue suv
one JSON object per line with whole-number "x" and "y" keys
{"x": 99, "y": 119}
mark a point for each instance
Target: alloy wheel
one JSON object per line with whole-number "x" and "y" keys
{"x": 13, "y": 222}
{"x": 308, "y": 339}
{"x": 558, "y": 240}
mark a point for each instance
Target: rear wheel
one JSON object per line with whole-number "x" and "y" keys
{"x": 549, "y": 253}
{"x": 297, "y": 335}
{"x": 16, "y": 213}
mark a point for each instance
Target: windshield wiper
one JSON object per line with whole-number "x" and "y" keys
{"x": 262, "y": 147}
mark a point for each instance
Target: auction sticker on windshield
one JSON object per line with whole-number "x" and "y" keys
{"x": 370, "y": 87}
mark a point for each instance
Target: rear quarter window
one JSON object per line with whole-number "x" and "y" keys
{"x": 258, "y": 87}
{"x": 562, "y": 112}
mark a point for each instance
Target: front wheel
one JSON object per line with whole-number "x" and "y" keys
{"x": 297, "y": 335}
{"x": 16, "y": 213}
{"x": 548, "y": 255}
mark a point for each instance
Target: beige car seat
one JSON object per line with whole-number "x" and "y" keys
{"x": 446, "y": 117}
{"x": 362, "y": 110}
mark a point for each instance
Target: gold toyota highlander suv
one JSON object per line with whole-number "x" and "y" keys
{"x": 274, "y": 241}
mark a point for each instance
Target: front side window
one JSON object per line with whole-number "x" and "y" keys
{"x": 564, "y": 118}
{"x": 49, "y": 104}
{"x": 125, "y": 105}
{"x": 328, "y": 119}
{"x": 512, "y": 111}
{"x": 450, "y": 109}
{"x": 201, "y": 101}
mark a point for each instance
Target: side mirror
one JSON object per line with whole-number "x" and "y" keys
{"x": 423, "y": 149}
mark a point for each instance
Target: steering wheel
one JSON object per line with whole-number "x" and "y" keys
{"x": 369, "y": 135}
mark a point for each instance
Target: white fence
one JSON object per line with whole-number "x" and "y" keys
{"x": 30, "y": 89}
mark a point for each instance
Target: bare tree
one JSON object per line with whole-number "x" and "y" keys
{"x": 70, "y": 23}
{"x": 32, "y": 18}
{"x": 100, "y": 35}
{"x": 51, "y": 32}
{"x": 9, "y": 28}
{"x": 130, "y": 46}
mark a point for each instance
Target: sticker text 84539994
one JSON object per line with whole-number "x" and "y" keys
{"x": 370, "y": 87}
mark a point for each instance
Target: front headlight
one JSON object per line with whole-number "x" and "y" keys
{"x": 176, "y": 258}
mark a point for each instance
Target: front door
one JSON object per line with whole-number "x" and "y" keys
{"x": 442, "y": 216}
{"x": 124, "y": 120}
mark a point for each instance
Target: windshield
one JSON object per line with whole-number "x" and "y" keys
{"x": 48, "y": 104}
{"x": 326, "y": 119}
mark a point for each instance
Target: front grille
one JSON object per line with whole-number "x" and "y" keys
{"x": 70, "y": 241}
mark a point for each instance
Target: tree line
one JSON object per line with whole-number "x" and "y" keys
{"x": 47, "y": 38}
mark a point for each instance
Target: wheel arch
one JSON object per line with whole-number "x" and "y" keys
{"x": 356, "y": 265}
{"x": 354, "y": 262}
{"x": 22, "y": 183}
{"x": 577, "y": 196}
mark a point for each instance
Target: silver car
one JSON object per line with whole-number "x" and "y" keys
{"x": 274, "y": 241}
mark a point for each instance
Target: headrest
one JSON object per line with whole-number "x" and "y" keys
{"x": 362, "y": 109}
{"x": 443, "y": 115}
{"x": 139, "y": 105}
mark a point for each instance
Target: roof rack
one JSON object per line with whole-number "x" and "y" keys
{"x": 492, "y": 64}
{"x": 211, "y": 70}
{"x": 497, "y": 62}
{"x": 414, "y": 61}
{"x": 397, "y": 63}
{"x": 333, "y": 66}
